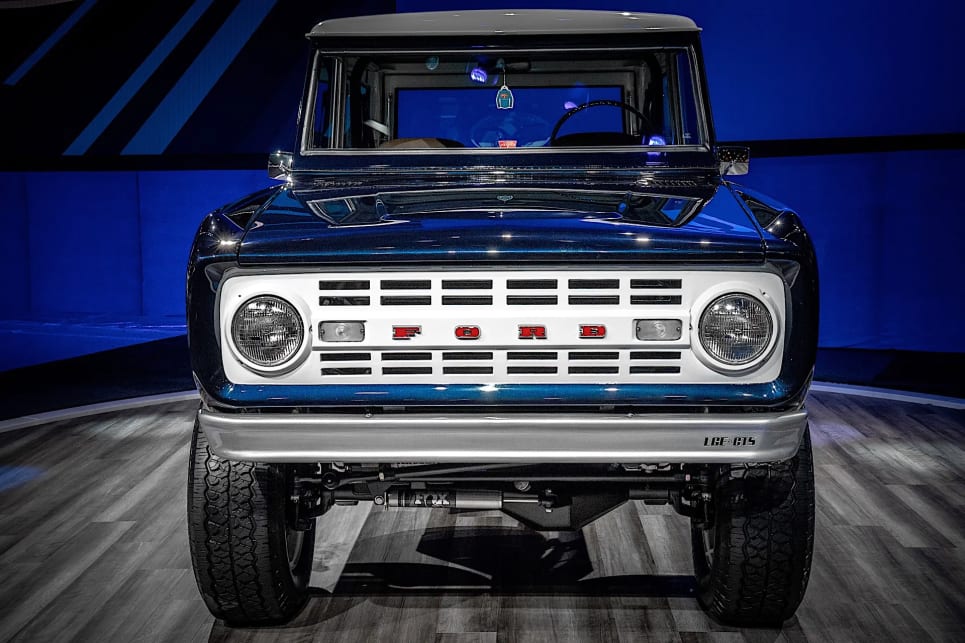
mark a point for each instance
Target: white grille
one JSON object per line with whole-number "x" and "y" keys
{"x": 498, "y": 303}
{"x": 504, "y": 364}
{"x": 508, "y": 290}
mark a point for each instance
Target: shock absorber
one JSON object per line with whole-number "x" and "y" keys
{"x": 452, "y": 498}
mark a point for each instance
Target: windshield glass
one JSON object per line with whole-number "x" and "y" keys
{"x": 504, "y": 101}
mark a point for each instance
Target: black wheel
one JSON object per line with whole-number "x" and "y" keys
{"x": 752, "y": 545}
{"x": 252, "y": 568}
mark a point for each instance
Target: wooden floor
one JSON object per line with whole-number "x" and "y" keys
{"x": 93, "y": 547}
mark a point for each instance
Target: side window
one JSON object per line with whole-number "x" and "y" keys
{"x": 321, "y": 129}
{"x": 669, "y": 118}
{"x": 690, "y": 127}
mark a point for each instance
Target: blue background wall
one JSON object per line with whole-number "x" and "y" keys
{"x": 888, "y": 225}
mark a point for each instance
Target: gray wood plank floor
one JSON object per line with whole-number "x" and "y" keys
{"x": 93, "y": 547}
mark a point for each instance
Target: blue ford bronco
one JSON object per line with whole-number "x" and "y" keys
{"x": 504, "y": 270}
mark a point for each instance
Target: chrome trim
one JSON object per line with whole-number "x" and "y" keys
{"x": 502, "y": 438}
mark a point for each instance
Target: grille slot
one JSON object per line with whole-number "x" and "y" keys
{"x": 654, "y": 300}
{"x": 407, "y": 370}
{"x": 531, "y": 355}
{"x": 655, "y": 355}
{"x": 466, "y": 355}
{"x": 467, "y": 370}
{"x": 327, "y": 300}
{"x": 595, "y": 355}
{"x": 593, "y": 284}
{"x": 594, "y": 300}
{"x": 588, "y": 370}
{"x": 649, "y": 370}
{"x": 531, "y": 370}
{"x": 531, "y": 300}
{"x": 406, "y": 284}
{"x": 347, "y": 370}
{"x": 346, "y": 357}
{"x": 344, "y": 284}
{"x": 531, "y": 284}
{"x": 406, "y": 300}
{"x": 467, "y": 284}
{"x": 467, "y": 300}
{"x": 405, "y": 356}
{"x": 655, "y": 283}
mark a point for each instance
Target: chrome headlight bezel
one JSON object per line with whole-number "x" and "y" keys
{"x": 293, "y": 357}
{"x": 715, "y": 361}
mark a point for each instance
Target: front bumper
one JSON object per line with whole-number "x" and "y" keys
{"x": 505, "y": 438}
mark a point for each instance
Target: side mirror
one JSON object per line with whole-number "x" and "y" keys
{"x": 279, "y": 165}
{"x": 733, "y": 160}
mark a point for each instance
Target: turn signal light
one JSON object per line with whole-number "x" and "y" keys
{"x": 654, "y": 330}
{"x": 341, "y": 331}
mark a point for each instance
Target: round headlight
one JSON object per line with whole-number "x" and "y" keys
{"x": 267, "y": 331}
{"x": 736, "y": 329}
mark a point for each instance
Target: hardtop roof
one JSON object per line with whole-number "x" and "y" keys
{"x": 502, "y": 22}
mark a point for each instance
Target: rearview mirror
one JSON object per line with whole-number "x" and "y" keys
{"x": 733, "y": 160}
{"x": 279, "y": 165}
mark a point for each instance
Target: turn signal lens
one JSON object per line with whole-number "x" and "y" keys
{"x": 267, "y": 331}
{"x": 655, "y": 330}
{"x": 341, "y": 331}
{"x": 736, "y": 329}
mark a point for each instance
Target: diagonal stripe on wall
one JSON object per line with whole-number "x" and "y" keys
{"x": 133, "y": 84}
{"x": 170, "y": 116}
{"x": 48, "y": 44}
{"x": 100, "y": 122}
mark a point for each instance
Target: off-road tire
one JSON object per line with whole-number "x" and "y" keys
{"x": 239, "y": 537}
{"x": 763, "y": 532}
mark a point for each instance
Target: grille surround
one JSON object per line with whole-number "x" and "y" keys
{"x": 682, "y": 293}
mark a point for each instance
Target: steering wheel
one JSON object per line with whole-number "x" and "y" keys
{"x": 598, "y": 103}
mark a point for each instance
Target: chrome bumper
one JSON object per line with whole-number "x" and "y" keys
{"x": 505, "y": 438}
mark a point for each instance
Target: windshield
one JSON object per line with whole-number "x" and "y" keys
{"x": 504, "y": 101}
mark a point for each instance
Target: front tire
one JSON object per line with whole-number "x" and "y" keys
{"x": 752, "y": 544}
{"x": 252, "y": 568}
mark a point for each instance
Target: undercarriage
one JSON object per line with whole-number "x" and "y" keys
{"x": 544, "y": 497}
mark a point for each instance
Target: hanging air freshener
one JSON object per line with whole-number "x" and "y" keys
{"x": 504, "y": 97}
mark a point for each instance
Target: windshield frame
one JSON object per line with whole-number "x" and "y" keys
{"x": 337, "y": 110}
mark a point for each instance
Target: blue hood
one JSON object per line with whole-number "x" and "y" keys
{"x": 506, "y": 225}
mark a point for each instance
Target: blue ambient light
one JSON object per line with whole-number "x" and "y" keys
{"x": 478, "y": 75}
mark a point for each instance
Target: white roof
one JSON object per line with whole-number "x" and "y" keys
{"x": 501, "y": 22}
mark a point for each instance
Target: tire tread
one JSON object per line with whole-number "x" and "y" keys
{"x": 235, "y": 513}
{"x": 765, "y": 524}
